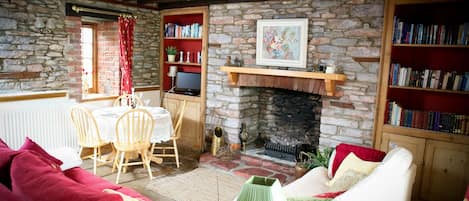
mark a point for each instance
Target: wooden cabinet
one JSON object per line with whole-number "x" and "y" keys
{"x": 421, "y": 105}
{"x": 191, "y": 132}
{"x": 446, "y": 171}
{"x": 186, "y": 29}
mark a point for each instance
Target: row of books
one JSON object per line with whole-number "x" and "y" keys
{"x": 428, "y": 120}
{"x": 427, "y": 78}
{"x": 183, "y": 31}
{"x": 409, "y": 33}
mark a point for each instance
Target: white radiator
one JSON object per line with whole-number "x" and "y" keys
{"x": 46, "y": 121}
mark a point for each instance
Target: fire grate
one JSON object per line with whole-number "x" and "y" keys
{"x": 285, "y": 152}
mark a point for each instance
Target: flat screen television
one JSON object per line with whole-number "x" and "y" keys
{"x": 188, "y": 83}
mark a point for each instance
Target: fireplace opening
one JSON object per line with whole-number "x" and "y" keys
{"x": 288, "y": 123}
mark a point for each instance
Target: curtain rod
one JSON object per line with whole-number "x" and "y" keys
{"x": 78, "y": 9}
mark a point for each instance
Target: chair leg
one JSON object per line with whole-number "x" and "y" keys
{"x": 146, "y": 161}
{"x": 116, "y": 160}
{"x": 176, "y": 154}
{"x": 126, "y": 161}
{"x": 119, "y": 168}
{"x": 94, "y": 159}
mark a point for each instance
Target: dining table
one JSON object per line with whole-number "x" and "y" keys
{"x": 106, "y": 119}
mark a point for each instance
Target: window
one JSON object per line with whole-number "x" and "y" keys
{"x": 88, "y": 55}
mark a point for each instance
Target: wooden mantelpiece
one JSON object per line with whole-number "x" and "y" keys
{"x": 311, "y": 81}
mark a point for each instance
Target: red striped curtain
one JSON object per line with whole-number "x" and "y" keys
{"x": 126, "y": 37}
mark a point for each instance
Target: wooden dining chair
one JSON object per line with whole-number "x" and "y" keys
{"x": 133, "y": 132}
{"x": 161, "y": 149}
{"x": 124, "y": 100}
{"x": 88, "y": 134}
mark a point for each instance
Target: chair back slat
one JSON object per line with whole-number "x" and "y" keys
{"x": 85, "y": 124}
{"x": 134, "y": 129}
{"x": 124, "y": 100}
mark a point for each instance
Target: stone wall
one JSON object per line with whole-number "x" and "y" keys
{"x": 338, "y": 31}
{"x": 33, "y": 38}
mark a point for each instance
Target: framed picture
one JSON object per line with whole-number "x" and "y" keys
{"x": 282, "y": 42}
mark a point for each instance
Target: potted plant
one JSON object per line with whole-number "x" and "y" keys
{"x": 171, "y": 52}
{"x": 310, "y": 160}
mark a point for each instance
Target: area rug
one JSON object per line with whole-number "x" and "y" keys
{"x": 201, "y": 184}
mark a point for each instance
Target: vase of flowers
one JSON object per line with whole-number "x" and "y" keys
{"x": 171, "y": 52}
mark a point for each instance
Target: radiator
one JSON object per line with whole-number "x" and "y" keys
{"x": 46, "y": 121}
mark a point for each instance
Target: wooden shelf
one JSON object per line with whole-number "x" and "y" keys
{"x": 429, "y": 89}
{"x": 429, "y": 134}
{"x": 329, "y": 78}
{"x": 177, "y": 38}
{"x": 19, "y": 75}
{"x": 366, "y": 59}
{"x": 430, "y": 45}
{"x": 182, "y": 63}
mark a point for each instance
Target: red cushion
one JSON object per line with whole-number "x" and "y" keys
{"x": 86, "y": 178}
{"x": 32, "y": 178}
{"x": 329, "y": 194}
{"x": 6, "y": 155}
{"x": 6, "y": 194}
{"x": 3, "y": 143}
{"x": 467, "y": 193}
{"x": 33, "y": 146}
{"x": 364, "y": 153}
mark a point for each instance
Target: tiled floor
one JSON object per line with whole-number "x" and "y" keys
{"x": 246, "y": 166}
{"x": 243, "y": 165}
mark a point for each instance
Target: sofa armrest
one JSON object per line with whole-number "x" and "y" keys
{"x": 312, "y": 183}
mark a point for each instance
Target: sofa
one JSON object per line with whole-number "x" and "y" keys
{"x": 32, "y": 174}
{"x": 390, "y": 180}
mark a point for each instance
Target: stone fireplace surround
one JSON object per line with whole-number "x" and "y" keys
{"x": 338, "y": 31}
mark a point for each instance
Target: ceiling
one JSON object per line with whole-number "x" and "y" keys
{"x": 167, "y": 4}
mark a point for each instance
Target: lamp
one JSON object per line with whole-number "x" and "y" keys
{"x": 172, "y": 74}
{"x": 259, "y": 188}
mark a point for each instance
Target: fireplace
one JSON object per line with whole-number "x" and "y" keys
{"x": 288, "y": 122}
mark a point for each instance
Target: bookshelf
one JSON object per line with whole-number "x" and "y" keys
{"x": 423, "y": 93}
{"x": 186, "y": 29}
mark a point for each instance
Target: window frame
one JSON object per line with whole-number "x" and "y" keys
{"x": 93, "y": 27}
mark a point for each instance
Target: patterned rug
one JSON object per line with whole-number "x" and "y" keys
{"x": 201, "y": 184}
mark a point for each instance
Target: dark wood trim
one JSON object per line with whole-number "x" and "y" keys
{"x": 19, "y": 75}
{"x": 131, "y": 4}
{"x": 150, "y": 88}
{"x": 21, "y": 97}
{"x": 366, "y": 59}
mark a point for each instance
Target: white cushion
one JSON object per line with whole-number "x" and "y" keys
{"x": 352, "y": 162}
{"x": 67, "y": 155}
{"x": 310, "y": 184}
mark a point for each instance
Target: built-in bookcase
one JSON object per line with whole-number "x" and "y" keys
{"x": 423, "y": 98}
{"x": 187, "y": 30}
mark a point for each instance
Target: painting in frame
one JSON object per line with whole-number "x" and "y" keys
{"x": 282, "y": 42}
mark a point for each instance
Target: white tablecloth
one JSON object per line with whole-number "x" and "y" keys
{"x": 106, "y": 119}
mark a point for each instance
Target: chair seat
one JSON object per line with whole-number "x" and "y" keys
{"x": 132, "y": 147}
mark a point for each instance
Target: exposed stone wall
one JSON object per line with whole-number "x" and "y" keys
{"x": 33, "y": 38}
{"x": 338, "y": 30}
